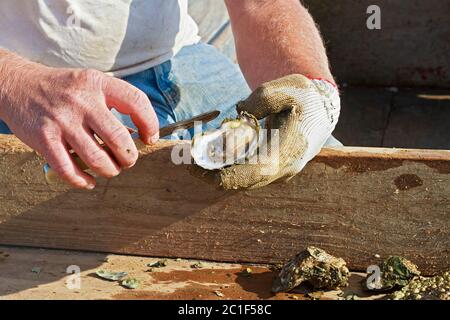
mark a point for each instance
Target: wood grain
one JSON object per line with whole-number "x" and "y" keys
{"x": 352, "y": 202}
{"x": 210, "y": 15}
{"x": 364, "y": 116}
{"x": 419, "y": 118}
{"x": 224, "y": 41}
{"x": 411, "y": 49}
{"x": 214, "y": 25}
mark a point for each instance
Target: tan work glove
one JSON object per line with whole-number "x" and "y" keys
{"x": 304, "y": 111}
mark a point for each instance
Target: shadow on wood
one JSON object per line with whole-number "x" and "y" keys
{"x": 352, "y": 202}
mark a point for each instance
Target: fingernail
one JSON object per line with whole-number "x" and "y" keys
{"x": 90, "y": 186}
{"x": 154, "y": 139}
{"x": 130, "y": 166}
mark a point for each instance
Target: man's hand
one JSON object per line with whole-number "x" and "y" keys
{"x": 304, "y": 112}
{"x": 275, "y": 38}
{"x": 55, "y": 110}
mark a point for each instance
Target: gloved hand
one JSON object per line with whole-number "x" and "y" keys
{"x": 304, "y": 111}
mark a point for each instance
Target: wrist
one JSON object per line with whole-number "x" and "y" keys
{"x": 329, "y": 80}
{"x": 321, "y": 115}
{"x": 331, "y": 99}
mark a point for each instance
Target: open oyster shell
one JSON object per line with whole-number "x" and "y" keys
{"x": 235, "y": 141}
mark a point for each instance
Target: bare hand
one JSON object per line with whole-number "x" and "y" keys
{"x": 55, "y": 110}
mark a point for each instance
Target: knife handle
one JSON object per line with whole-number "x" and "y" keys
{"x": 52, "y": 177}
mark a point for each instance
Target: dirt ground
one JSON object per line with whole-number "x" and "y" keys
{"x": 42, "y": 274}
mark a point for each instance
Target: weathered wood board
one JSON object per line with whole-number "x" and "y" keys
{"x": 419, "y": 118}
{"x": 352, "y": 202}
{"x": 392, "y": 117}
{"x": 214, "y": 25}
{"x": 410, "y": 49}
{"x": 211, "y": 17}
{"x": 364, "y": 116}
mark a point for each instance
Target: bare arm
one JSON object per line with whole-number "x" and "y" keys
{"x": 275, "y": 38}
{"x": 56, "y": 109}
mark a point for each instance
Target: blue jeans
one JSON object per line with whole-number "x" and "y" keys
{"x": 196, "y": 80}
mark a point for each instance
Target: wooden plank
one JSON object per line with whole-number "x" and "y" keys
{"x": 214, "y": 25}
{"x": 224, "y": 41}
{"x": 396, "y": 55}
{"x": 420, "y": 118}
{"x": 411, "y": 49}
{"x": 364, "y": 116}
{"x": 353, "y": 202}
{"x": 176, "y": 281}
{"x": 210, "y": 15}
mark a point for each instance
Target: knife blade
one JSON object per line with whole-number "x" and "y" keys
{"x": 51, "y": 176}
{"x": 188, "y": 124}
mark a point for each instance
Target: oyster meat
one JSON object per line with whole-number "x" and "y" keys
{"x": 235, "y": 141}
{"x": 315, "y": 266}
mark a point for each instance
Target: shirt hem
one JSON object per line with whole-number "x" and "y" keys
{"x": 121, "y": 73}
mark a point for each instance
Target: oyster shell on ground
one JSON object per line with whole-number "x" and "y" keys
{"x": 314, "y": 266}
{"x": 396, "y": 272}
{"x": 234, "y": 142}
{"x": 421, "y": 288}
{"x": 111, "y": 276}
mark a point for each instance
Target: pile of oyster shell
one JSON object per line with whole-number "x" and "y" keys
{"x": 399, "y": 278}
{"x": 421, "y": 288}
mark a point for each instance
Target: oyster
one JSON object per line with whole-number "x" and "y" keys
{"x": 130, "y": 283}
{"x": 396, "y": 272}
{"x": 112, "y": 276}
{"x": 315, "y": 266}
{"x": 235, "y": 141}
{"x": 421, "y": 288}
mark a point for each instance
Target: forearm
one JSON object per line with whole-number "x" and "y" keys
{"x": 275, "y": 38}
{"x": 10, "y": 65}
{"x": 8, "y": 61}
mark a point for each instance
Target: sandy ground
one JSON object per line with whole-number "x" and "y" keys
{"x": 42, "y": 274}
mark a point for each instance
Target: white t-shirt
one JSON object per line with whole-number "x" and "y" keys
{"x": 117, "y": 36}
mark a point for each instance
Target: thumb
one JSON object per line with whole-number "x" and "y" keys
{"x": 275, "y": 96}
